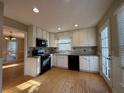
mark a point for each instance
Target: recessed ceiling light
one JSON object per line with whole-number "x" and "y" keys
{"x": 59, "y": 28}
{"x": 76, "y": 25}
{"x": 36, "y": 10}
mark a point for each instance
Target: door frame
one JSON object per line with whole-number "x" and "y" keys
{"x": 107, "y": 23}
{"x": 25, "y": 43}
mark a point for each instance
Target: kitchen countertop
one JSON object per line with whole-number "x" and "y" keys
{"x": 33, "y": 56}
{"x": 71, "y": 53}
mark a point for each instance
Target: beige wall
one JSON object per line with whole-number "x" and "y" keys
{"x": 15, "y": 24}
{"x": 1, "y": 29}
{"x": 20, "y": 51}
{"x": 115, "y": 65}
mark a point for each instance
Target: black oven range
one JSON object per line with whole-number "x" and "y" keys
{"x": 45, "y": 63}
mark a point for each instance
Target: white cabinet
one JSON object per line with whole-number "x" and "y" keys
{"x": 85, "y": 37}
{"x": 31, "y": 36}
{"x": 32, "y": 66}
{"x": 91, "y": 33}
{"x": 62, "y": 61}
{"x": 53, "y": 60}
{"x": 94, "y": 64}
{"x": 52, "y": 40}
{"x": 84, "y": 63}
{"x": 47, "y": 38}
{"x": 44, "y": 35}
{"x": 39, "y": 33}
{"x": 89, "y": 63}
{"x": 76, "y": 38}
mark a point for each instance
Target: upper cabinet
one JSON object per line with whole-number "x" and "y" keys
{"x": 52, "y": 40}
{"x": 76, "y": 38}
{"x": 31, "y": 36}
{"x": 47, "y": 38}
{"x": 80, "y": 38}
{"x": 36, "y": 32}
{"x": 42, "y": 34}
{"x": 91, "y": 37}
{"x": 39, "y": 33}
{"x": 85, "y": 37}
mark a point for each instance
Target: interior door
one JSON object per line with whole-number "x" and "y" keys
{"x": 106, "y": 52}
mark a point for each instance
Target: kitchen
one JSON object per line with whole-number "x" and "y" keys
{"x": 70, "y": 46}
{"x": 81, "y": 45}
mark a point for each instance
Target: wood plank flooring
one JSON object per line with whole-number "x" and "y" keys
{"x": 63, "y": 81}
{"x": 13, "y": 75}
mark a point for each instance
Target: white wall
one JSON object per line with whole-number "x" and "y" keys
{"x": 1, "y": 24}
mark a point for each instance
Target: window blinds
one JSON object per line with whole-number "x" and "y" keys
{"x": 121, "y": 34}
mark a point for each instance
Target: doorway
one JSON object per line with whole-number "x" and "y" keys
{"x": 14, "y": 53}
{"x": 106, "y": 53}
{"x": 13, "y": 46}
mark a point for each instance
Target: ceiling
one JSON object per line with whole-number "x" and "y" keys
{"x": 57, "y": 13}
{"x": 15, "y": 32}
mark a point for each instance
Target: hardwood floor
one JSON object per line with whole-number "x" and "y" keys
{"x": 13, "y": 74}
{"x": 63, "y": 81}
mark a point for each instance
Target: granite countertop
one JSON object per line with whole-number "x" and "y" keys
{"x": 33, "y": 56}
{"x": 71, "y": 53}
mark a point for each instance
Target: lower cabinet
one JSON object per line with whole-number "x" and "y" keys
{"x": 62, "y": 61}
{"x": 94, "y": 64}
{"x": 32, "y": 66}
{"x": 53, "y": 60}
{"x": 84, "y": 63}
{"x": 89, "y": 63}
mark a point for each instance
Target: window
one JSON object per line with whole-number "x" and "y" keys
{"x": 12, "y": 48}
{"x": 120, "y": 17}
{"x": 121, "y": 35}
{"x": 64, "y": 44}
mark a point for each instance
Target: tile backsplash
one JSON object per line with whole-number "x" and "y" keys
{"x": 85, "y": 50}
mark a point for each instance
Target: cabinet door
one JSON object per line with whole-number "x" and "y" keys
{"x": 31, "y": 36}
{"x": 65, "y": 62}
{"x": 92, "y": 37}
{"x": 59, "y": 60}
{"x": 62, "y": 61}
{"x": 47, "y": 37}
{"x": 39, "y": 33}
{"x": 84, "y": 63}
{"x": 94, "y": 64}
{"x": 53, "y": 60}
{"x": 31, "y": 67}
{"x": 75, "y": 38}
{"x": 52, "y": 40}
{"x": 44, "y": 35}
{"x": 83, "y": 38}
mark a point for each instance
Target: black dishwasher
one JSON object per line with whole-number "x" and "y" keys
{"x": 73, "y": 62}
